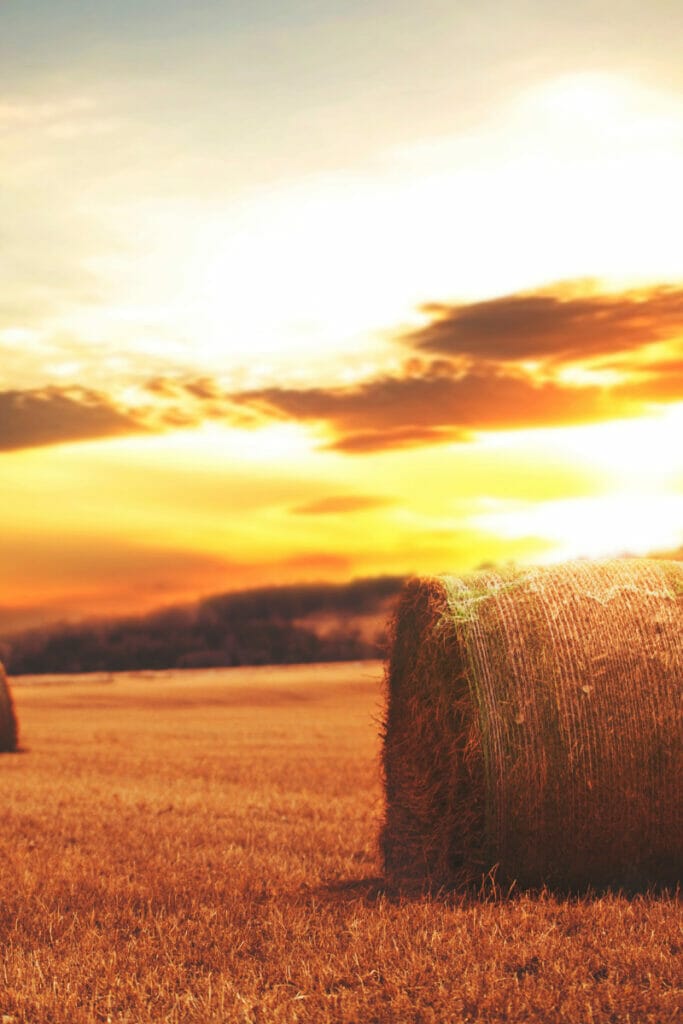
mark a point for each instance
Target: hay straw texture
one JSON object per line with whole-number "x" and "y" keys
{"x": 8, "y": 721}
{"x": 534, "y": 723}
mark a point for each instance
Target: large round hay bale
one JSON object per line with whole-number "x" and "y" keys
{"x": 8, "y": 721}
{"x": 534, "y": 728}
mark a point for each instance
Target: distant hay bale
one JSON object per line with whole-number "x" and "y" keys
{"x": 534, "y": 727}
{"x": 8, "y": 721}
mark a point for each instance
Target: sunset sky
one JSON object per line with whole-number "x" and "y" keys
{"x": 313, "y": 290}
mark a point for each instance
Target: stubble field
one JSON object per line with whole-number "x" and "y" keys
{"x": 201, "y": 846}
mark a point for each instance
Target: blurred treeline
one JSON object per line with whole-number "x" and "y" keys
{"x": 316, "y": 622}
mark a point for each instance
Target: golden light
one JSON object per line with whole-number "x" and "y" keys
{"x": 638, "y": 507}
{"x": 640, "y": 453}
{"x": 213, "y": 445}
{"x": 593, "y": 527}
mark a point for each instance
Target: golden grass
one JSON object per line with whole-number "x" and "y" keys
{"x": 201, "y": 847}
{"x": 535, "y": 723}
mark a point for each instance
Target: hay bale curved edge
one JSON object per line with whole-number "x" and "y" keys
{"x": 534, "y": 726}
{"x": 8, "y": 718}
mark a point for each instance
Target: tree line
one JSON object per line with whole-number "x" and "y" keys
{"x": 275, "y": 625}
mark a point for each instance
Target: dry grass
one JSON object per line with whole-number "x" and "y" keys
{"x": 202, "y": 847}
{"x": 535, "y": 723}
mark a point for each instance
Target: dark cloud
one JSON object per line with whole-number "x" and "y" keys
{"x": 558, "y": 327}
{"x": 467, "y": 371}
{"x": 33, "y": 419}
{"x": 54, "y": 415}
{"x": 335, "y": 504}
{"x": 395, "y": 412}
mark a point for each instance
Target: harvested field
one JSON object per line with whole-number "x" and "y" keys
{"x": 535, "y": 727}
{"x": 202, "y": 847}
{"x": 8, "y": 718}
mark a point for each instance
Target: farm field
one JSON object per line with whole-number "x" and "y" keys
{"x": 202, "y": 846}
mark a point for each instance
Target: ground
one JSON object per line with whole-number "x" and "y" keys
{"x": 202, "y": 846}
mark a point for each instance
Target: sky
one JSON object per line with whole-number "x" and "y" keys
{"x": 317, "y": 290}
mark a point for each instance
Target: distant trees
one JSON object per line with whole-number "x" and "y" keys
{"x": 271, "y": 625}
{"x": 258, "y": 627}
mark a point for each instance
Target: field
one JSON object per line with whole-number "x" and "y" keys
{"x": 201, "y": 846}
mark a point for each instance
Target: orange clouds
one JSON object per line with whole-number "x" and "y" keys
{"x": 499, "y": 366}
{"x": 396, "y": 412}
{"x": 519, "y": 361}
{"x": 31, "y": 419}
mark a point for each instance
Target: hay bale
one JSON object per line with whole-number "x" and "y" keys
{"x": 534, "y": 726}
{"x": 8, "y": 720}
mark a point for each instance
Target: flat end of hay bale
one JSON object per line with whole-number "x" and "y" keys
{"x": 8, "y": 720}
{"x": 432, "y": 757}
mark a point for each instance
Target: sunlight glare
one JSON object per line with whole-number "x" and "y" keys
{"x": 594, "y": 527}
{"x": 642, "y": 454}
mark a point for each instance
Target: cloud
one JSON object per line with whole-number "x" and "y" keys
{"x": 520, "y": 361}
{"x": 470, "y": 371}
{"x": 184, "y": 402}
{"x": 201, "y": 388}
{"x": 560, "y": 327}
{"x": 396, "y": 412}
{"x": 658, "y": 382}
{"x": 404, "y": 437}
{"x": 336, "y": 504}
{"x": 33, "y": 419}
